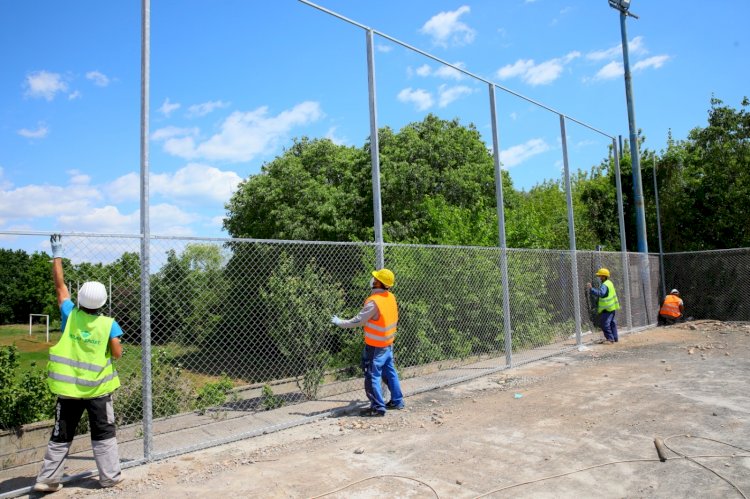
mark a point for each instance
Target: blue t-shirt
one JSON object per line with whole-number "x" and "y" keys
{"x": 67, "y": 307}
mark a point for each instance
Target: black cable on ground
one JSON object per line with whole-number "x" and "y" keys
{"x": 664, "y": 442}
{"x": 378, "y": 476}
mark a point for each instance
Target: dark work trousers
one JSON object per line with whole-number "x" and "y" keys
{"x": 68, "y": 414}
{"x": 609, "y": 325}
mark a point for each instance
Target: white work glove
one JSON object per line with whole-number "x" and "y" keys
{"x": 57, "y": 245}
{"x": 335, "y": 320}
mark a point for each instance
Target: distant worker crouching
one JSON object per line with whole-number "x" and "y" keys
{"x": 672, "y": 310}
{"x": 607, "y": 305}
{"x": 379, "y": 317}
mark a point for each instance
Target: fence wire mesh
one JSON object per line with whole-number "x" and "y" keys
{"x": 713, "y": 284}
{"x": 241, "y": 333}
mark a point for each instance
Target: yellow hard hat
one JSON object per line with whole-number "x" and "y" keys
{"x": 385, "y": 276}
{"x": 602, "y": 272}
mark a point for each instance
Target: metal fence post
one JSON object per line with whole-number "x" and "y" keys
{"x": 501, "y": 231}
{"x": 145, "y": 236}
{"x": 623, "y": 244}
{"x": 658, "y": 232}
{"x": 571, "y": 233}
{"x": 374, "y": 151}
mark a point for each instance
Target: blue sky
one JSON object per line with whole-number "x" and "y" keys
{"x": 233, "y": 81}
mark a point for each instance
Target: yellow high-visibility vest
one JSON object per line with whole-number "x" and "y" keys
{"x": 80, "y": 365}
{"x": 610, "y": 302}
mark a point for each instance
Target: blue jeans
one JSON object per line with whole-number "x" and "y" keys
{"x": 609, "y": 326}
{"x": 378, "y": 363}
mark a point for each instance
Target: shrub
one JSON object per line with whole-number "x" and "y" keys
{"x": 23, "y": 400}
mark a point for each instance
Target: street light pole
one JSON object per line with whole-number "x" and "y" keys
{"x": 640, "y": 216}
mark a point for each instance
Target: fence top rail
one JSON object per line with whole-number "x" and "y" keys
{"x": 453, "y": 66}
{"x": 726, "y": 250}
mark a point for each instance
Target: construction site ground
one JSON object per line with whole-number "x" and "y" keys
{"x": 597, "y": 410}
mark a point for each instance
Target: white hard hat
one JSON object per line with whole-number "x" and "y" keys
{"x": 674, "y": 292}
{"x": 92, "y": 295}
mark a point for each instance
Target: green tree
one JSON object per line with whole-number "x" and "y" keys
{"x": 705, "y": 183}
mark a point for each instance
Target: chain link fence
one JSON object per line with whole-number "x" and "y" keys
{"x": 241, "y": 339}
{"x": 713, "y": 284}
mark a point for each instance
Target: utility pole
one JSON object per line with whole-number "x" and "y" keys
{"x": 623, "y": 6}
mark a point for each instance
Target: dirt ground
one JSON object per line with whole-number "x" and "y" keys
{"x": 591, "y": 409}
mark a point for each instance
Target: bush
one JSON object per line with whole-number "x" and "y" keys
{"x": 213, "y": 394}
{"x": 23, "y": 400}
{"x": 170, "y": 393}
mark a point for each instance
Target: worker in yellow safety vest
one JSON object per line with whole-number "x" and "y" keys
{"x": 607, "y": 305}
{"x": 379, "y": 318}
{"x": 81, "y": 374}
{"x": 673, "y": 309}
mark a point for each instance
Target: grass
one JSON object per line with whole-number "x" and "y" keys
{"x": 34, "y": 351}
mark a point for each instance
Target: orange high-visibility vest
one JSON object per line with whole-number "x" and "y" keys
{"x": 671, "y": 306}
{"x": 382, "y": 332}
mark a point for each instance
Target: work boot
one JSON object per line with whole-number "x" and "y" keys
{"x": 371, "y": 412}
{"x": 47, "y": 487}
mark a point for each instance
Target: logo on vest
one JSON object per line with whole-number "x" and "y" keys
{"x": 85, "y": 337}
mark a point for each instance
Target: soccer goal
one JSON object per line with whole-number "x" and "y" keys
{"x": 31, "y": 319}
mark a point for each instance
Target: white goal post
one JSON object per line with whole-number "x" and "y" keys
{"x": 31, "y": 316}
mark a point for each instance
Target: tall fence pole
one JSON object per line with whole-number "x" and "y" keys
{"x": 571, "y": 233}
{"x": 374, "y": 151}
{"x": 145, "y": 235}
{"x": 658, "y": 232}
{"x": 501, "y": 231}
{"x": 623, "y": 243}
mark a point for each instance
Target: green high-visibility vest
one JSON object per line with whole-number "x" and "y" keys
{"x": 80, "y": 365}
{"x": 609, "y": 302}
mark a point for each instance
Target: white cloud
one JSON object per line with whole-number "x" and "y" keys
{"x": 106, "y": 219}
{"x": 43, "y": 84}
{"x": 168, "y": 107}
{"x": 194, "y": 182}
{"x": 76, "y": 177}
{"x": 517, "y": 154}
{"x": 4, "y": 184}
{"x": 450, "y": 73}
{"x": 445, "y": 72}
{"x": 611, "y": 70}
{"x": 99, "y": 79}
{"x": 518, "y": 68}
{"x": 40, "y": 132}
{"x": 205, "y": 108}
{"x": 331, "y": 135}
{"x": 537, "y": 74}
{"x": 424, "y": 70}
{"x": 420, "y": 98}
{"x": 383, "y": 48}
{"x": 445, "y": 28}
{"x": 446, "y": 94}
{"x": 513, "y": 116}
{"x": 170, "y": 220}
{"x": 244, "y": 136}
{"x": 635, "y": 47}
{"x": 124, "y": 188}
{"x": 164, "y": 219}
{"x": 33, "y": 201}
{"x": 655, "y": 62}
{"x": 74, "y": 95}
{"x": 169, "y": 132}
{"x": 616, "y": 69}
